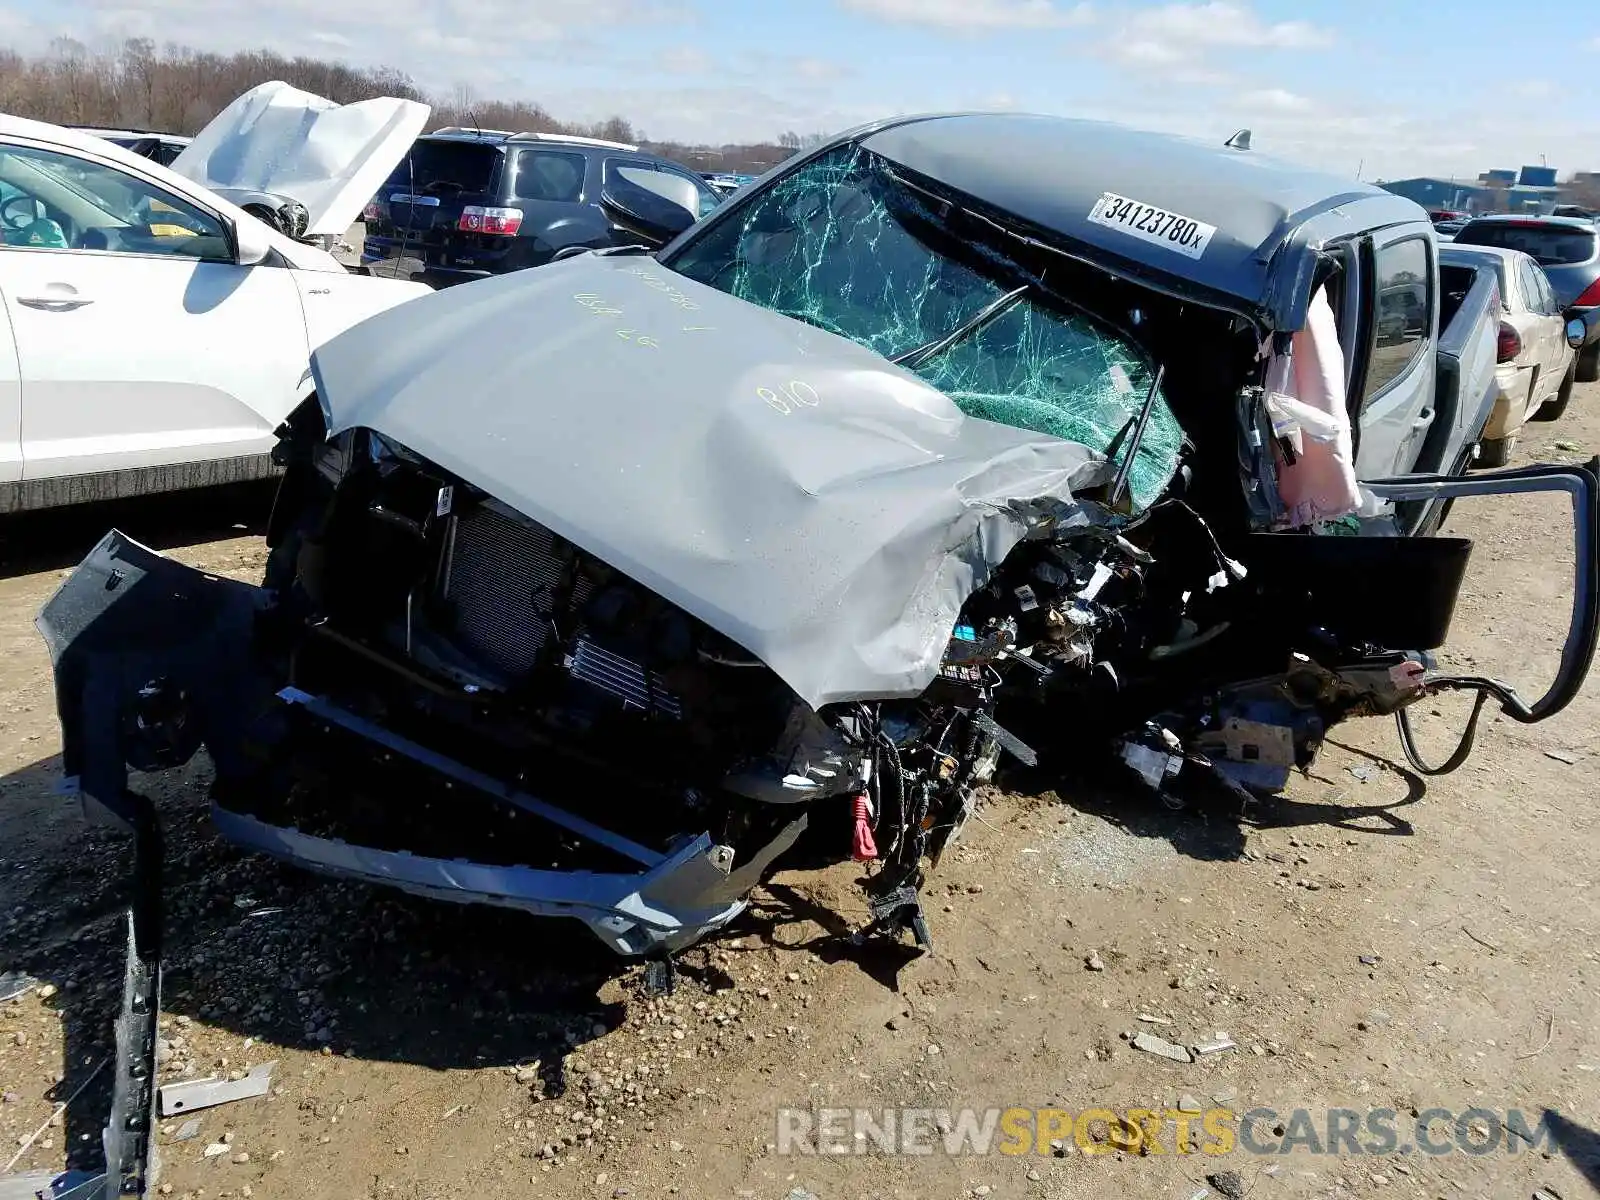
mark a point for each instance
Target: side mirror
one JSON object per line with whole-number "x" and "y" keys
{"x": 645, "y": 215}
{"x": 1577, "y": 332}
{"x": 250, "y": 236}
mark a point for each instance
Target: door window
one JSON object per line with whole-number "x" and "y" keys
{"x": 55, "y": 201}
{"x": 1528, "y": 280}
{"x": 555, "y": 175}
{"x": 1552, "y": 306}
{"x": 1404, "y": 285}
{"x": 678, "y": 187}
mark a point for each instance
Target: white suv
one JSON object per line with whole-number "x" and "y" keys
{"x": 152, "y": 334}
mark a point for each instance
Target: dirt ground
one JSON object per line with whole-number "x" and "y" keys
{"x": 1370, "y": 941}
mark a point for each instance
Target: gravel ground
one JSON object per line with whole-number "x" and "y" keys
{"x": 1369, "y": 940}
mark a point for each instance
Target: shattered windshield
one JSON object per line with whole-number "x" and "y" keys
{"x": 845, "y": 244}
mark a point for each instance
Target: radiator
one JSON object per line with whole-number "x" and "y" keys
{"x": 500, "y": 578}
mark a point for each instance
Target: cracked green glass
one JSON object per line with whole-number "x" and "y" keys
{"x": 845, "y": 244}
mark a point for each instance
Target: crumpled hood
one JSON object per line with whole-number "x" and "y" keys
{"x": 823, "y": 508}
{"x": 332, "y": 158}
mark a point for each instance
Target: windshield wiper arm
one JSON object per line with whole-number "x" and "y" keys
{"x": 912, "y": 359}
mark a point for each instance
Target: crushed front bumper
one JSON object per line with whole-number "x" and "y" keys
{"x": 154, "y": 660}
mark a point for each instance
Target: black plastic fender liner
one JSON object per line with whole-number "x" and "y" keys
{"x": 126, "y": 619}
{"x": 1582, "y": 484}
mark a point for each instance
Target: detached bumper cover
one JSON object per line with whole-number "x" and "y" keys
{"x": 153, "y": 660}
{"x": 662, "y": 909}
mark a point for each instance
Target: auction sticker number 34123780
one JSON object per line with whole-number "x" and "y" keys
{"x": 1169, "y": 230}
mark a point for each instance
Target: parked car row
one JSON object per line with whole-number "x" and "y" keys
{"x": 1536, "y": 344}
{"x": 468, "y": 203}
{"x": 1567, "y": 250}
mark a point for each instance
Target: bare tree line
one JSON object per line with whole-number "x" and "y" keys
{"x": 175, "y": 89}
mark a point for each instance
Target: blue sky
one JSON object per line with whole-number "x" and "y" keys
{"x": 1390, "y": 89}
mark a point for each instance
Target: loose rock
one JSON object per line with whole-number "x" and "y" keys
{"x": 1151, "y": 1044}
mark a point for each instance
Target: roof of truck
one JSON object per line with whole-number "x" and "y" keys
{"x": 1052, "y": 172}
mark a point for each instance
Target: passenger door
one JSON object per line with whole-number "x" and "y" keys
{"x": 140, "y": 340}
{"x": 1556, "y": 352}
{"x": 1397, "y": 397}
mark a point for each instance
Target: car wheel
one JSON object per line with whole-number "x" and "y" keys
{"x": 1550, "y": 410}
{"x": 1496, "y": 452}
{"x": 1589, "y": 364}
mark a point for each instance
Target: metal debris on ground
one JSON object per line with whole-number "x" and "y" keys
{"x": 1363, "y": 773}
{"x": 1155, "y": 1020}
{"x": 1217, "y": 1044}
{"x": 14, "y": 984}
{"x": 1229, "y": 1184}
{"x": 1561, "y": 756}
{"x": 191, "y": 1094}
{"x": 189, "y": 1129}
{"x": 1151, "y": 1044}
{"x": 1545, "y": 1193}
{"x": 215, "y": 1150}
{"x": 1567, "y": 445}
{"x": 1369, "y": 960}
{"x": 1201, "y": 1194}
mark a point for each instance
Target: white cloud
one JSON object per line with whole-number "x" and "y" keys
{"x": 972, "y": 15}
{"x": 683, "y": 60}
{"x": 1276, "y": 100}
{"x": 715, "y": 113}
{"x": 817, "y": 70}
{"x": 437, "y": 41}
{"x": 1223, "y": 23}
{"x": 1180, "y": 42}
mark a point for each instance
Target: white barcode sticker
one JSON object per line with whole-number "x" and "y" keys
{"x": 1170, "y": 230}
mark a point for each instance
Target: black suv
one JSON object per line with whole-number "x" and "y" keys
{"x": 466, "y": 203}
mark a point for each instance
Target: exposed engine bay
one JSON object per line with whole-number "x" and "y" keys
{"x": 418, "y": 605}
{"x": 621, "y": 659}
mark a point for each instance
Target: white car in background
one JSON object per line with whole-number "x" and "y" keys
{"x": 1536, "y": 362}
{"x": 153, "y": 334}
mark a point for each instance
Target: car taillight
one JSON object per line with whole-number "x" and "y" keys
{"x": 1590, "y": 297}
{"x": 476, "y": 218}
{"x": 1509, "y": 345}
{"x": 370, "y": 212}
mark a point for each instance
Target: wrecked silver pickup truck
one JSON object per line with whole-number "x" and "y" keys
{"x": 593, "y": 587}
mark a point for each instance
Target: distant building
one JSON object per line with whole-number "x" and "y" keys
{"x": 1537, "y": 177}
{"x": 1498, "y": 178}
{"x": 1444, "y": 193}
{"x": 1536, "y": 198}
